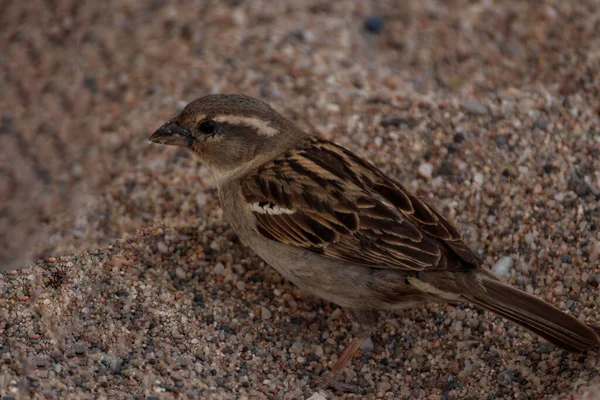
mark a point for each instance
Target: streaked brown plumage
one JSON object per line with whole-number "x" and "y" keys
{"x": 341, "y": 229}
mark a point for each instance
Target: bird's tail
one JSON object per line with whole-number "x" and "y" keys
{"x": 536, "y": 315}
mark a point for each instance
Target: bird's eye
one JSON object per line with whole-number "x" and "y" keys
{"x": 208, "y": 126}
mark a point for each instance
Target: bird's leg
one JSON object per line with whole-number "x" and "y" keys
{"x": 365, "y": 321}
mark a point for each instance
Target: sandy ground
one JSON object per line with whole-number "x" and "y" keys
{"x": 489, "y": 109}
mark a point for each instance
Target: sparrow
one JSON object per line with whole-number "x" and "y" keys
{"x": 339, "y": 228}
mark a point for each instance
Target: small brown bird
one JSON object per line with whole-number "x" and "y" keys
{"x": 339, "y": 228}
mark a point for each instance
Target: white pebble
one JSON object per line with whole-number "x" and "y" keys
{"x": 319, "y": 351}
{"x": 317, "y": 396}
{"x": 503, "y": 266}
{"x": 426, "y": 170}
{"x": 219, "y": 269}
{"x": 478, "y": 178}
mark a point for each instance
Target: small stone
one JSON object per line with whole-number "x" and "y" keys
{"x": 265, "y": 314}
{"x": 397, "y": 121}
{"x": 542, "y": 123}
{"x": 383, "y": 387}
{"x": 336, "y": 314}
{"x": 546, "y": 347}
{"x": 426, "y": 170}
{"x": 478, "y": 178}
{"x": 503, "y": 266}
{"x": 474, "y": 107}
{"x": 549, "y": 168}
{"x": 162, "y": 247}
{"x": 198, "y": 298}
{"x": 180, "y": 273}
{"x": 559, "y": 289}
{"x": 505, "y": 378}
{"x": 374, "y": 24}
{"x": 319, "y": 351}
{"x": 367, "y": 345}
{"x": 595, "y": 280}
{"x": 297, "y": 348}
{"x": 220, "y": 269}
{"x": 198, "y": 367}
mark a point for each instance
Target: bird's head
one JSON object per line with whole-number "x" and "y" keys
{"x": 230, "y": 133}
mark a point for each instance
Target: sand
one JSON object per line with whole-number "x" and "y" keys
{"x": 122, "y": 279}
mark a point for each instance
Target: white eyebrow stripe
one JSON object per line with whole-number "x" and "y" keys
{"x": 260, "y": 125}
{"x": 270, "y": 210}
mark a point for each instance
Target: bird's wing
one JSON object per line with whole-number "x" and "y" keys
{"x": 324, "y": 198}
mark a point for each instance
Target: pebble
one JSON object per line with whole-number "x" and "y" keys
{"x": 336, "y": 314}
{"x": 374, "y": 23}
{"x": 367, "y": 345}
{"x": 426, "y": 170}
{"x": 297, "y": 348}
{"x": 503, "y": 266}
{"x": 180, "y": 273}
{"x": 474, "y": 107}
{"x": 505, "y": 378}
{"x": 219, "y": 269}
{"x": 559, "y": 288}
{"x": 397, "y": 121}
{"x": 478, "y": 178}
{"x": 317, "y": 396}
{"x": 162, "y": 247}
{"x": 318, "y": 351}
{"x": 383, "y": 387}
{"x": 265, "y": 314}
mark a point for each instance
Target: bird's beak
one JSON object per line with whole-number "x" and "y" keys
{"x": 172, "y": 134}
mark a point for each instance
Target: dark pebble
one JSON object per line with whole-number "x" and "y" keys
{"x": 451, "y": 383}
{"x": 459, "y": 138}
{"x": 374, "y": 24}
{"x": 397, "y": 121}
{"x": 549, "y": 168}
{"x": 582, "y": 190}
{"x": 228, "y": 329}
{"x": 445, "y": 168}
{"x": 542, "y": 123}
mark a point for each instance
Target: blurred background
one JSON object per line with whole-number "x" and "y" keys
{"x": 83, "y": 84}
